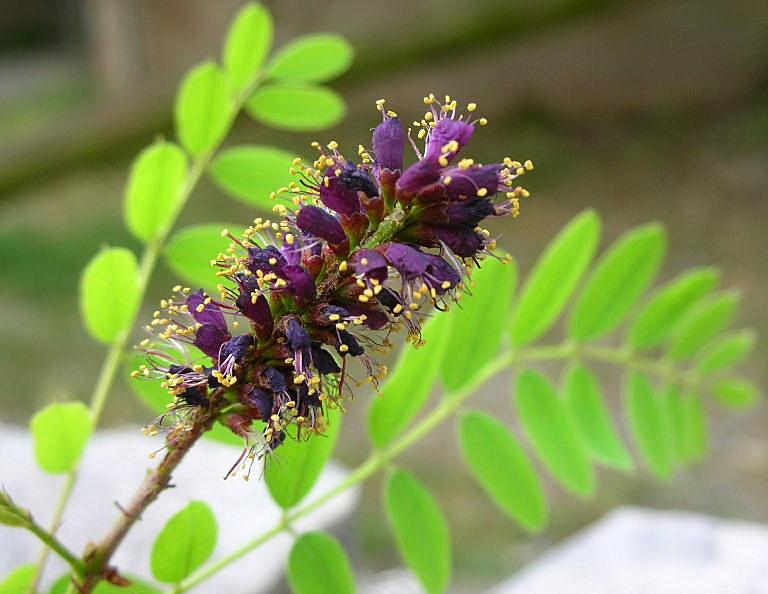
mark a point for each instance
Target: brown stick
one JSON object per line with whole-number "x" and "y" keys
{"x": 97, "y": 556}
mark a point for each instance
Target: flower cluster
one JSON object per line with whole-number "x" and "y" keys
{"x": 358, "y": 250}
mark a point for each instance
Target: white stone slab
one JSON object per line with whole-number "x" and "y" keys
{"x": 641, "y": 551}
{"x": 114, "y": 464}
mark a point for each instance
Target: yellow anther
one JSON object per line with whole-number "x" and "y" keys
{"x": 528, "y": 165}
{"x": 343, "y": 348}
{"x": 343, "y": 266}
{"x": 471, "y": 106}
{"x": 482, "y": 192}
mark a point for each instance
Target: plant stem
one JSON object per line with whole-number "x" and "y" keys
{"x": 53, "y": 543}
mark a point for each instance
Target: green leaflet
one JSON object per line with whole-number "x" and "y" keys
{"x": 138, "y": 586}
{"x": 621, "y": 276}
{"x": 19, "y": 580}
{"x": 296, "y": 107}
{"x": 407, "y": 389}
{"x": 701, "y": 324}
{"x": 501, "y": 466}
{"x": 725, "y": 351}
{"x": 251, "y": 173}
{"x": 109, "y": 293}
{"x": 478, "y": 326}
{"x": 649, "y": 419}
{"x": 552, "y": 433}
{"x": 297, "y": 464}
{"x": 586, "y": 406}
{"x": 204, "y": 108}
{"x": 554, "y": 278}
{"x": 190, "y": 250}
{"x": 184, "y": 543}
{"x": 670, "y": 302}
{"x": 688, "y": 423}
{"x": 61, "y": 432}
{"x": 318, "y": 565}
{"x": 736, "y": 392}
{"x": 247, "y": 45}
{"x": 420, "y": 530}
{"x": 154, "y": 190}
{"x": 311, "y": 58}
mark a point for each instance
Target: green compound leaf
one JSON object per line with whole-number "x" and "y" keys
{"x": 251, "y": 173}
{"x": 247, "y": 45}
{"x": 295, "y": 470}
{"x": 203, "y": 110}
{"x": 479, "y": 324}
{"x": 668, "y": 305}
{"x": 649, "y": 419}
{"x": 61, "y": 431}
{"x": 501, "y": 466}
{"x": 190, "y": 250}
{"x": 407, "y": 389}
{"x": 702, "y": 323}
{"x": 420, "y": 529}
{"x": 726, "y": 351}
{"x": 318, "y": 565}
{"x": 298, "y": 108}
{"x": 554, "y": 278}
{"x": 184, "y": 543}
{"x": 19, "y": 581}
{"x": 552, "y": 433}
{"x": 689, "y": 425}
{"x": 312, "y": 58}
{"x": 153, "y": 193}
{"x": 736, "y": 393}
{"x": 61, "y": 585}
{"x": 586, "y": 406}
{"x": 109, "y": 293}
{"x": 621, "y": 276}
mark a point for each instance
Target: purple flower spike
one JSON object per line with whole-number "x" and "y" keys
{"x": 322, "y": 224}
{"x": 409, "y": 262}
{"x": 300, "y": 282}
{"x": 339, "y": 198}
{"x": 205, "y": 314}
{"x": 209, "y": 338}
{"x": 389, "y": 144}
{"x": 445, "y": 131}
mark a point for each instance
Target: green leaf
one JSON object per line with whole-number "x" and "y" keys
{"x": 702, "y": 323}
{"x": 694, "y": 428}
{"x": 725, "y": 351}
{"x": 19, "y": 581}
{"x": 586, "y": 406}
{"x": 184, "y": 543}
{"x": 668, "y": 305}
{"x": 501, "y": 466}
{"x": 297, "y": 466}
{"x": 420, "y": 530}
{"x": 61, "y": 585}
{"x": 299, "y": 108}
{"x": 109, "y": 293}
{"x": 736, "y": 393}
{"x": 552, "y": 433}
{"x": 649, "y": 419}
{"x": 153, "y": 193}
{"x": 479, "y": 324}
{"x": 251, "y": 173}
{"x": 312, "y": 58}
{"x": 203, "y": 111}
{"x": 190, "y": 250}
{"x": 318, "y": 565}
{"x": 61, "y": 431}
{"x": 554, "y": 278}
{"x": 408, "y": 387}
{"x": 621, "y": 276}
{"x": 247, "y": 45}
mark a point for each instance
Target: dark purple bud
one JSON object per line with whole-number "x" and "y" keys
{"x": 259, "y": 312}
{"x": 445, "y": 131}
{"x": 298, "y": 338}
{"x": 356, "y": 179}
{"x": 408, "y": 261}
{"x": 479, "y": 180}
{"x": 320, "y": 223}
{"x": 300, "y": 282}
{"x": 389, "y": 299}
{"x": 350, "y": 342}
{"x": 339, "y": 198}
{"x": 464, "y": 241}
{"x": 209, "y": 338}
{"x": 375, "y": 318}
{"x": 440, "y": 275}
{"x": 418, "y": 176}
{"x": 259, "y": 400}
{"x": 194, "y": 396}
{"x": 275, "y": 379}
{"x": 372, "y": 264}
{"x": 268, "y": 259}
{"x": 389, "y": 144}
{"x": 469, "y": 212}
{"x": 205, "y": 314}
{"x": 237, "y": 347}
{"x": 324, "y": 361}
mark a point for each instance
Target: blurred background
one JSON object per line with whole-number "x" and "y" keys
{"x": 644, "y": 109}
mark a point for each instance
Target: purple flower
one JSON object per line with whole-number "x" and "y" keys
{"x": 300, "y": 282}
{"x": 322, "y": 224}
{"x": 409, "y": 262}
{"x": 418, "y": 176}
{"x": 337, "y": 196}
{"x": 389, "y": 144}
{"x": 209, "y": 338}
{"x": 204, "y": 311}
{"x": 442, "y": 137}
